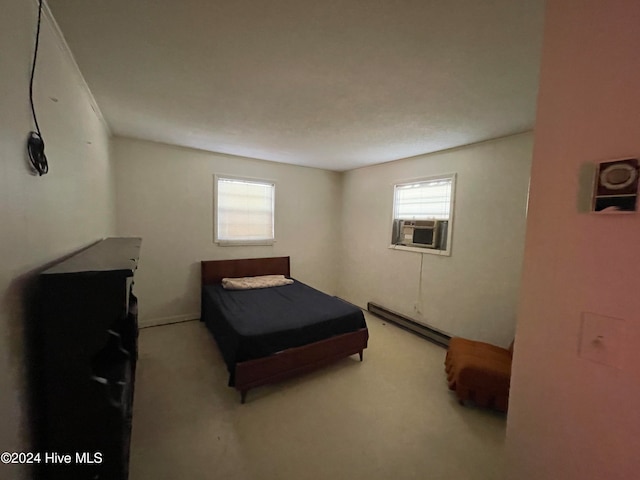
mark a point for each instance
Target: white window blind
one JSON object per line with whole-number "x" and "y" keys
{"x": 428, "y": 199}
{"x": 244, "y": 211}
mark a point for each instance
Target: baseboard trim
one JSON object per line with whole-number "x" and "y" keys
{"x": 432, "y": 334}
{"x": 155, "y": 322}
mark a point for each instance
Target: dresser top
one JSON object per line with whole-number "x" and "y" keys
{"x": 115, "y": 255}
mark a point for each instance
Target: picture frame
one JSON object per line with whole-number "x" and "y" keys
{"x": 616, "y": 187}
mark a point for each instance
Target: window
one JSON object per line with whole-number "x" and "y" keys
{"x": 422, "y": 214}
{"x": 244, "y": 211}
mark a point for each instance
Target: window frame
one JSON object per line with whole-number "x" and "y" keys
{"x": 234, "y": 243}
{"x": 452, "y": 202}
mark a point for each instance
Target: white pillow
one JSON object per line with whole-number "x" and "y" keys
{"x": 262, "y": 281}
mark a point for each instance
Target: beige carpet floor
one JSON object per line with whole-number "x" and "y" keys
{"x": 389, "y": 417}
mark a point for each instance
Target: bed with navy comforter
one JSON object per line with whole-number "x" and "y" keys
{"x": 268, "y": 334}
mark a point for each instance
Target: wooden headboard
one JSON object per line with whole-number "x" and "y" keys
{"x": 213, "y": 271}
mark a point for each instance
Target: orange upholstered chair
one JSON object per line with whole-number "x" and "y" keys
{"x": 479, "y": 372}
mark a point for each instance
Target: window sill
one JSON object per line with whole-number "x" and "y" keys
{"x": 429, "y": 251}
{"x": 244, "y": 243}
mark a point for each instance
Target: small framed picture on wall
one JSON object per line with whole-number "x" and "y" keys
{"x": 616, "y": 186}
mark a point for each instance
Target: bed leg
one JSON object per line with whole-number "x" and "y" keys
{"x": 360, "y": 355}
{"x": 243, "y": 396}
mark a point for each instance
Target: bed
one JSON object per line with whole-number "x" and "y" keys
{"x": 270, "y": 334}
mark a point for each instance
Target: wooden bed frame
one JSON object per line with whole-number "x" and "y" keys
{"x": 287, "y": 363}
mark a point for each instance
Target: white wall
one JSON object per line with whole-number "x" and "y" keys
{"x": 571, "y": 418}
{"x": 165, "y": 195}
{"x": 41, "y": 218}
{"x": 473, "y": 292}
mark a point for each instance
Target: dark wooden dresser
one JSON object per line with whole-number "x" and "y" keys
{"x": 85, "y": 351}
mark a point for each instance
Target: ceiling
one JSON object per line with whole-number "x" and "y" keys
{"x": 334, "y": 84}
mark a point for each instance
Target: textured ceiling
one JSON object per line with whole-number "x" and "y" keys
{"x": 330, "y": 84}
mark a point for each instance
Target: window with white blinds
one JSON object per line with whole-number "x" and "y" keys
{"x": 423, "y": 215}
{"x": 424, "y": 200}
{"x": 244, "y": 211}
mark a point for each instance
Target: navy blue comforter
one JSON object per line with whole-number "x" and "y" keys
{"x": 250, "y": 324}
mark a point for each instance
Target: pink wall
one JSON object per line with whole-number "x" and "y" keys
{"x": 571, "y": 418}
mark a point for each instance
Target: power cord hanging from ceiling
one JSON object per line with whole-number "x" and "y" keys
{"x": 35, "y": 143}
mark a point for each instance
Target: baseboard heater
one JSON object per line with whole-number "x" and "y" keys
{"x": 432, "y": 334}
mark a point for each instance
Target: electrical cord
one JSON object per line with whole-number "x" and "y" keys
{"x": 35, "y": 143}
